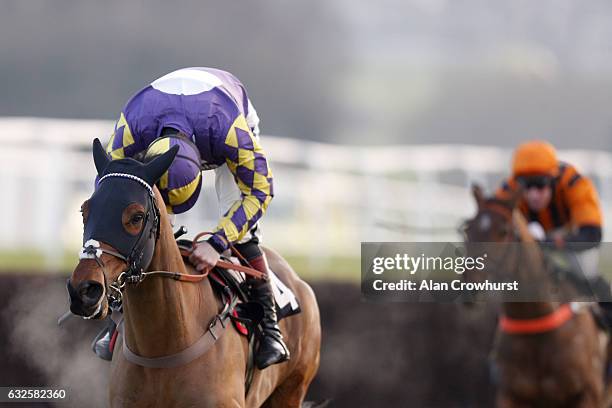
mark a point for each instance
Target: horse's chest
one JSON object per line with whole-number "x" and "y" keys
{"x": 530, "y": 372}
{"x": 193, "y": 385}
{"x": 162, "y": 397}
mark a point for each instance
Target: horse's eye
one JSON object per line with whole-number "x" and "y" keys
{"x": 137, "y": 218}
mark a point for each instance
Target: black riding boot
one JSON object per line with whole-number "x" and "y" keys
{"x": 272, "y": 348}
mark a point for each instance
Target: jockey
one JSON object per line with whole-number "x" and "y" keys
{"x": 208, "y": 114}
{"x": 561, "y": 205}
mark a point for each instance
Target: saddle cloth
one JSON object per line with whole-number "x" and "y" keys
{"x": 286, "y": 302}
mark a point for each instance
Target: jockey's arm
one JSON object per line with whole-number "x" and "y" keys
{"x": 585, "y": 214}
{"x": 248, "y": 163}
{"x": 122, "y": 143}
{"x": 587, "y": 234}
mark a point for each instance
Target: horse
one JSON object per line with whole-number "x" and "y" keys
{"x": 547, "y": 353}
{"x": 165, "y": 317}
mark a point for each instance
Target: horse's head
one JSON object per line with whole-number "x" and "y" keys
{"x": 121, "y": 226}
{"x": 494, "y": 220}
{"x": 494, "y": 229}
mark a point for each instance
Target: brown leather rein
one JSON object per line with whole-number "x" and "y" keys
{"x": 122, "y": 279}
{"x": 185, "y": 277}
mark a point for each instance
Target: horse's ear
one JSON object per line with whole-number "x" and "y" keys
{"x": 158, "y": 166}
{"x": 100, "y": 158}
{"x": 478, "y": 194}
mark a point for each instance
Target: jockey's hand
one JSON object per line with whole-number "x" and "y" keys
{"x": 204, "y": 257}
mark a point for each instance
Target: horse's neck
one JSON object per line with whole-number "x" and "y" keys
{"x": 528, "y": 268}
{"x": 162, "y": 315}
{"x": 527, "y": 310}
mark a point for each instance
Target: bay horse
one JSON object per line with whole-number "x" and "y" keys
{"x": 547, "y": 353}
{"x": 127, "y": 233}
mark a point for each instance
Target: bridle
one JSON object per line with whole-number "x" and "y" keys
{"x": 139, "y": 255}
{"x": 494, "y": 207}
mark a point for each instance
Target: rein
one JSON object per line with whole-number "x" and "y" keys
{"x": 537, "y": 325}
{"x": 93, "y": 250}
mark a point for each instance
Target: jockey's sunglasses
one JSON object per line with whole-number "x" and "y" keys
{"x": 538, "y": 182}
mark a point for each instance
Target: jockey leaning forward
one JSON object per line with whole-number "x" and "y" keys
{"x": 207, "y": 113}
{"x": 561, "y": 207}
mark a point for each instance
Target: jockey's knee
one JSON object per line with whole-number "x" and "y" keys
{"x": 249, "y": 250}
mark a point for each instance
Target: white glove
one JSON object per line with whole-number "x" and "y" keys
{"x": 536, "y": 230}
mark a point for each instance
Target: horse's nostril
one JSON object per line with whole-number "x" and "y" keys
{"x": 90, "y": 292}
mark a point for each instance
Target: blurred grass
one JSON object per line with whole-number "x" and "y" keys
{"x": 31, "y": 260}
{"x": 316, "y": 269}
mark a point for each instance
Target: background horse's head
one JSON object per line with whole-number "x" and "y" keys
{"x": 493, "y": 230}
{"x": 500, "y": 231}
{"x": 494, "y": 219}
{"x": 121, "y": 226}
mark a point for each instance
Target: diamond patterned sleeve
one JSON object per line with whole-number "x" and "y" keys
{"x": 247, "y": 161}
{"x": 121, "y": 140}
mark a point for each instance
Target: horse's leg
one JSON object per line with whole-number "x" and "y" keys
{"x": 608, "y": 394}
{"x": 291, "y": 393}
{"x": 594, "y": 394}
{"x": 506, "y": 401}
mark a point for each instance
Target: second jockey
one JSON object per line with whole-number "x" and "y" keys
{"x": 561, "y": 207}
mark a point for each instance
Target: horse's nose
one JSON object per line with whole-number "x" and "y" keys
{"x": 85, "y": 297}
{"x": 90, "y": 292}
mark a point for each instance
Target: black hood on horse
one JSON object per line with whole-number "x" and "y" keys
{"x": 121, "y": 183}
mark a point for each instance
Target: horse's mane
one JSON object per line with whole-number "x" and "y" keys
{"x": 166, "y": 243}
{"x": 518, "y": 219}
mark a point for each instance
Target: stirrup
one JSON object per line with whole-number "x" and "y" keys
{"x": 101, "y": 346}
